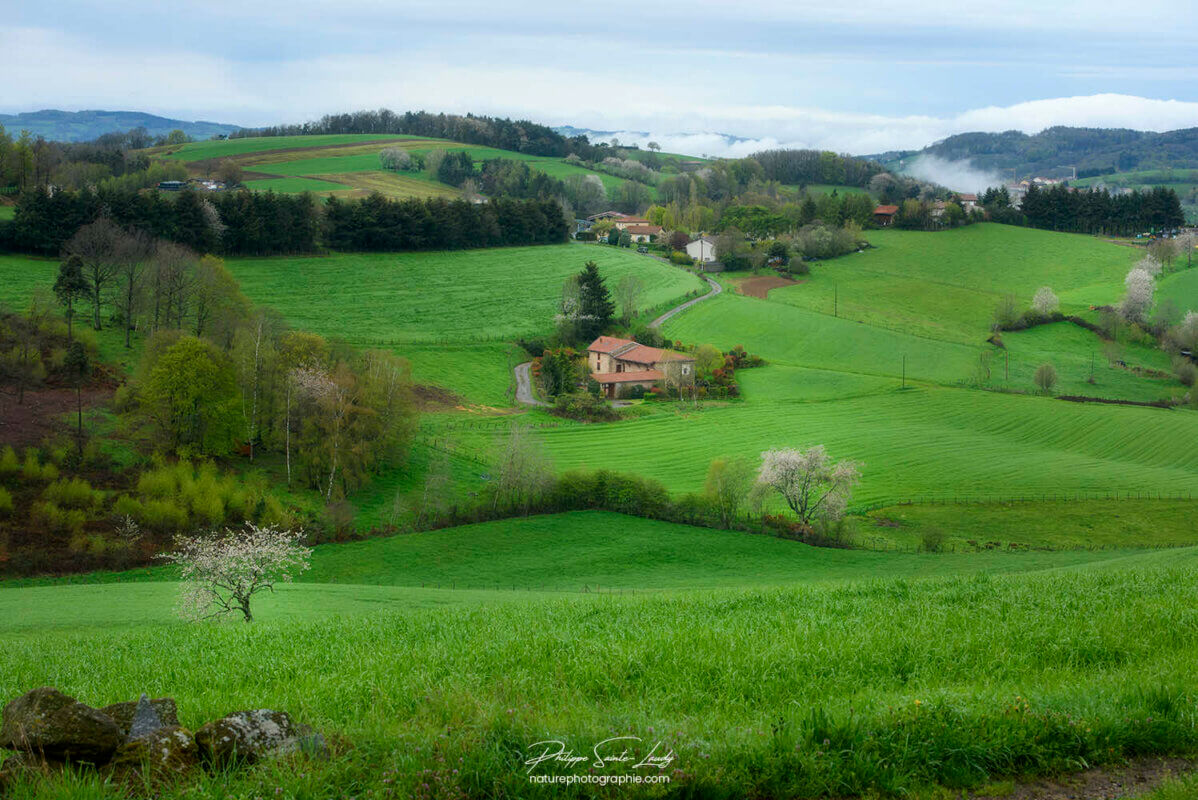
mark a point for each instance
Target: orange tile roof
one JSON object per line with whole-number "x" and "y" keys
{"x": 628, "y": 350}
{"x": 628, "y": 377}
{"x": 608, "y": 344}
{"x": 886, "y": 210}
{"x": 643, "y": 229}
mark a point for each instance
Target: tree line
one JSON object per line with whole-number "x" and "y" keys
{"x": 265, "y": 223}
{"x": 1060, "y": 208}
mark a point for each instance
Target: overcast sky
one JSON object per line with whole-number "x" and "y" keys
{"x": 860, "y": 76}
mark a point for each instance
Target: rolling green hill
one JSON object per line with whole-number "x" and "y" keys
{"x": 83, "y": 126}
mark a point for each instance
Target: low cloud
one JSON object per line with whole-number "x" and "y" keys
{"x": 960, "y": 176}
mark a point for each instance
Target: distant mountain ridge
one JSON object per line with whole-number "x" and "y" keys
{"x": 1091, "y": 150}
{"x": 81, "y": 126}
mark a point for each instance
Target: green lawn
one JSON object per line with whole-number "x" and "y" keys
{"x": 1181, "y": 288}
{"x": 294, "y": 185}
{"x": 7, "y": 212}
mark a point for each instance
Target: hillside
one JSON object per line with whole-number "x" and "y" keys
{"x": 82, "y": 126}
{"x": 1054, "y": 151}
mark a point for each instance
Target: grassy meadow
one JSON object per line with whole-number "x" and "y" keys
{"x": 979, "y": 677}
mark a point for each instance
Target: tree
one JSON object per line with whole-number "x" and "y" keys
{"x": 1045, "y": 302}
{"x": 97, "y": 246}
{"x": 1163, "y": 251}
{"x": 1006, "y": 312}
{"x": 731, "y": 250}
{"x": 521, "y": 472}
{"x": 191, "y": 396}
{"x": 561, "y": 371}
{"x": 230, "y": 173}
{"x": 222, "y": 572}
{"x": 654, "y": 146}
{"x": 1045, "y": 378}
{"x": 594, "y": 302}
{"x": 628, "y": 290}
{"x": 708, "y": 359}
{"x": 78, "y": 367}
{"x": 395, "y": 158}
{"x": 1137, "y": 300}
{"x": 133, "y": 251}
{"x": 727, "y": 485}
{"x": 70, "y": 287}
{"x": 812, "y": 486}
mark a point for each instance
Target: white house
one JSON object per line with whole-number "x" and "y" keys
{"x": 702, "y": 249}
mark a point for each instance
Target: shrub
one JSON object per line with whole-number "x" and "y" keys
{"x": 57, "y": 520}
{"x": 681, "y": 258}
{"x": 163, "y": 515}
{"x": 583, "y": 406}
{"x": 932, "y": 540}
{"x": 73, "y": 493}
{"x": 33, "y": 470}
{"x": 5, "y": 502}
{"x": 1186, "y": 371}
{"x": 1045, "y": 378}
{"x": 10, "y": 465}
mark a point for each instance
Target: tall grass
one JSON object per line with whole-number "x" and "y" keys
{"x": 824, "y": 691}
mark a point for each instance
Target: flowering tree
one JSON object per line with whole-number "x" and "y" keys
{"x": 1137, "y": 301}
{"x": 812, "y": 486}
{"x": 1045, "y": 301}
{"x": 1150, "y": 264}
{"x": 223, "y": 571}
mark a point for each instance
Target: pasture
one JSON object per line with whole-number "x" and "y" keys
{"x": 980, "y": 677}
{"x": 444, "y": 300}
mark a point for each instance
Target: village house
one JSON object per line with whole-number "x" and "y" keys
{"x": 643, "y": 233}
{"x": 619, "y": 365}
{"x": 624, "y": 223}
{"x": 884, "y": 215}
{"x": 613, "y": 215}
{"x": 702, "y": 249}
{"x": 969, "y": 202}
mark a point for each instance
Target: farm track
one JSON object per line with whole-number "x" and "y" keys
{"x": 715, "y": 289}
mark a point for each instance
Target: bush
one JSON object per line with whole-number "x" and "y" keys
{"x": 163, "y": 515}
{"x": 33, "y": 470}
{"x": 1186, "y": 371}
{"x": 73, "y": 493}
{"x": 583, "y": 406}
{"x": 5, "y": 502}
{"x": 10, "y": 465}
{"x": 681, "y": 258}
{"x": 932, "y": 540}
{"x": 57, "y": 520}
{"x": 1045, "y": 378}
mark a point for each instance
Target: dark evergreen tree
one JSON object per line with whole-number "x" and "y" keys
{"x": 594, "y": 301}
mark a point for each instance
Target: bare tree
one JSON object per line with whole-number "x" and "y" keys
{"x": 811, "y": 484}
{"x": 628, "y": 293}
{"x": 522, "y": 472}
{"x": 1045, "y": 378}
{"x": 223, "y": 571}
{"x": 97, "y": 245}
{"x": 133, "y": 251}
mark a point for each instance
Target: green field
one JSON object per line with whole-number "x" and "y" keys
{"x": 1083, "y": 657}
{"x": 338, "y": 163}
{"x": 456, "y": 297}
{"x": 7, "y": 212}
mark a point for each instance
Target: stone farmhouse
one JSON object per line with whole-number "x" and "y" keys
{"x": 618, "y": 365}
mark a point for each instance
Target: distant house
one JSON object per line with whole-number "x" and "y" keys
{"x": 627, "y": 222}
{"x": 171, "y": 186}
{"x": 702, "y": 249}
{"x": 618, "y": 365}
{"x": 969, "y": 202}
{"x": 884, "y": 215}
{"x": 613, "y": 215}
{"x": 643, "y": 233}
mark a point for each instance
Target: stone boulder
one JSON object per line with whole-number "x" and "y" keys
{"x": 50, "y": 724}
{"x": 144, "y": 712}
{"x": 253, "y": 735}
{"x": 168, "y": 749}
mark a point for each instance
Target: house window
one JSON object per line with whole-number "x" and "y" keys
{"x": 686, "y": 369}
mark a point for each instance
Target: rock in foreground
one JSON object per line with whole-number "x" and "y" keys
{"x": 50, "y": 724}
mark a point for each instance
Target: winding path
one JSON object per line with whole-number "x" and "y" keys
{"x": 524, "y": 385}
{"x": 523, "y": 371}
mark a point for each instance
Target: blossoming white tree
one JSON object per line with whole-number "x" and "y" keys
{"x": 811, "y": 484}
{"x": 223, "y": 571}
{"x": 1137, "y": 301}
{"x": 1151, "y": 265}
{"x": 1045, "y": 301}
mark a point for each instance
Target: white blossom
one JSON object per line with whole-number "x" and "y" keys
{"x": 1137, "y": 302}
{"x": 812, "y": 486}
{"x": 221, "y": 572}
{"x": 1045, "y": 301}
